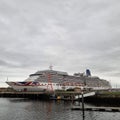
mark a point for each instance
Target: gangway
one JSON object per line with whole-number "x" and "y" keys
{"x": 85, "y": 95}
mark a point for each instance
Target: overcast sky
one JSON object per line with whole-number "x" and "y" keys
{"x": 71, "y": 35}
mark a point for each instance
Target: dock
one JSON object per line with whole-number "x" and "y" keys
{"x": 61, "y": 95}
{"x": 98, "y": 97}
{"x": 32, "y": 95}
{"x": 102, "y": 109}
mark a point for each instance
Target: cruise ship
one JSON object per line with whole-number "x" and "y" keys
{"x": 51, "y": 80}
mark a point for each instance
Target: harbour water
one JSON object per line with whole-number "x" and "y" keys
{"x": 26, "y": 109}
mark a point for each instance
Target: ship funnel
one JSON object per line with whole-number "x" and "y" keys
{"x": 88, "y": 73}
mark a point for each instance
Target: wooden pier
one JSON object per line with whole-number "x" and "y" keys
{"x": 102, "y": 109}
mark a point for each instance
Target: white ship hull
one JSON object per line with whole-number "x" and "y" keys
{"x": 34, "y": 86}
{"x": 39, "y": 86}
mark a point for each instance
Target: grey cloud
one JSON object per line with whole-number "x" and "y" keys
{"x": 71, "y": 34}
{"x": 3, "y": 63}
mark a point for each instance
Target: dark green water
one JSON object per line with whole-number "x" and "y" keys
{"x": 24, "y": 109}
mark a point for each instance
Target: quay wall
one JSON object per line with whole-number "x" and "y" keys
{"x": 31, "y": 95}
{"x": 106, "y": 97}
{"x": 103, "y": 100}
{"x": 10, "y": 93}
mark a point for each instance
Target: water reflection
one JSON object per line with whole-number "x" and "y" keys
{"x": 15, "y": 100}
{"x": 25, "y": 109}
